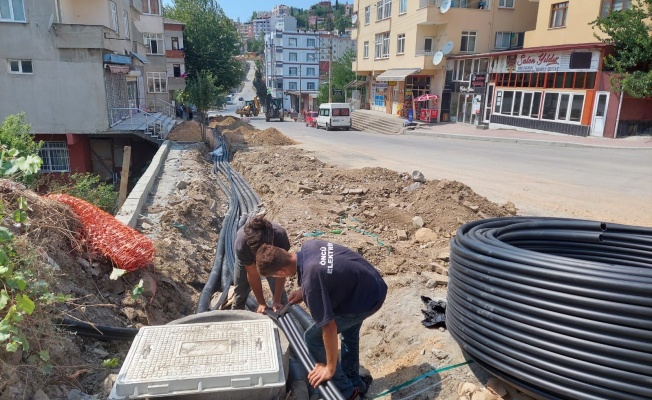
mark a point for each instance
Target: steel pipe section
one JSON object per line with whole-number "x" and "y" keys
{"x": 560, "y": 308}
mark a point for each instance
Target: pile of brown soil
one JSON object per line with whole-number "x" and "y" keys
{"x": 269, "y": 137}
{"x": 187, "y": 131}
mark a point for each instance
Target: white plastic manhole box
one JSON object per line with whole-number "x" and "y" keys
{"x": 192, "y": 359}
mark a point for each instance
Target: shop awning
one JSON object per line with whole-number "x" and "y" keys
{"x": 140, "y": 57}
{"x": 118, "y": 69}
{"x": 396, "y": 74}
{"x": 355, "y": 84}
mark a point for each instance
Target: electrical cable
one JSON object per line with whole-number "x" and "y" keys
{"x": 557, "y": 307}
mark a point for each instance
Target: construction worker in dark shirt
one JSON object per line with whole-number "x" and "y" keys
{"x": 341, "y": 290}
{"x": 249, "y": 238}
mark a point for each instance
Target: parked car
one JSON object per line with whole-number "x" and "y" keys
{"x": 334, "y": 116}
{"x": 311, "y": 118}
{"x": 240, "y": 98}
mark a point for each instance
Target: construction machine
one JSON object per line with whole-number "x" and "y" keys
{"x": 273, "y": 108}
{"x": 250, "y": 108}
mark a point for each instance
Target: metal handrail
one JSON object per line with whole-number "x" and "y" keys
{"x": 128, "y": 112}
{"x": 170, "y": 107}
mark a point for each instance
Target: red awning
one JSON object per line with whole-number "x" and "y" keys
{"x": 118, "y": 69}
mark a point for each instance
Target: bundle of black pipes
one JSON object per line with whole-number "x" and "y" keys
{"x": 243, "y": 203}
{"x": 559, "y": 308}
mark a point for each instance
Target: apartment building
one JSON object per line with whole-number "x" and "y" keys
{"x": 175, "y": 58}
{"x": 292, "y": 67}
{"x": 339, "y": 44}
{"x": 556, "y": 83}
{"x": 404, "y": 47}
{"x": 262, "y": 25}
{"x": 76, "y": 68}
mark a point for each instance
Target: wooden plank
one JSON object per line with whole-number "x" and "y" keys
{"x": 124, "y": 178}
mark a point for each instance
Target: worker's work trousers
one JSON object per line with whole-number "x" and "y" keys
{"x": 347, "y": 373}
{"x": 242, "y": 289}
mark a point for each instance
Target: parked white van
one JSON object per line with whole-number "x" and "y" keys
{"x": 334, "y": 115}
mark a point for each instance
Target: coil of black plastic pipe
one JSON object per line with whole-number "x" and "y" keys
{"x": 559, "y": 308}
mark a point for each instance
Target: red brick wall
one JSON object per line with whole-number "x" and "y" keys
{"x": 636, "y": 109}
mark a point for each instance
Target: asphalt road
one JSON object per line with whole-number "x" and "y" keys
{"x": 613, "y": 185}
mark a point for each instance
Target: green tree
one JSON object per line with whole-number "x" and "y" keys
{"x": 202, "y": 92}
{"x": 259, "y": 82}
{"x": 211, "y": 41}
{"x": 15, "y": 134}
{"x": 631, "y": 61}
{"x": 341, "y": 75}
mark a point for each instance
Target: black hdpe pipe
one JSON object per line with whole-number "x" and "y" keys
{"x": 101, "y": 332}
{"x": 557, "y": 307}
{"x": 328, "y": 390}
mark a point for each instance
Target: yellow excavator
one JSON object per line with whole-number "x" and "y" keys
{"x": 251, "y": 108}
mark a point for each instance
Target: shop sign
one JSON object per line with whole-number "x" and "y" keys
{"x": 337, "y": 92}
{"x": 478, "y": 80}
{"x": 391, "y": 83}
{"x": 551, "y": 61}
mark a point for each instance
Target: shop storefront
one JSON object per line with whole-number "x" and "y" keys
{"x": 392, "y": 91}
{"x": 552, "y": 91}
{"x": 468, "y": 90}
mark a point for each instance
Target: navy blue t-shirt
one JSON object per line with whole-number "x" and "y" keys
{"x": 336, "y": 280}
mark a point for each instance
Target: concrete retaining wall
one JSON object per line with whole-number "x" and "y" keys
{"x": 128, "y": 213}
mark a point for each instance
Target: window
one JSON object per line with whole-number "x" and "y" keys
{"x": 55, "y": 157}
{"x": 154, "y": 42}
{"x": 292, "y": 56}
{"x": 292, "y": 42}
{"x": 310, "y": 72}
{"x": 151, "y": 7}
{"x": 176, "y": 70}
{"x": 279, "y": 85}
{"x": 12, "y": 10}
{"x": 114, "y": 17}
{"x": 157, "y": 82}
{"x": 175, "y": 43}
{"x": 367, "y": 14}
{"x": 365, "y": 50}
{"x": 558, "y": 15}
{"x": 402, "y": 7}
{"x": 20, "y": 66}
{"x": 293, "y": 71}
{"x": 576, "y": 108}
{"x": 324, "y": 112}
{"x": 382, "y": 45}
{"x": 125, "y": 22}
{"x": 310, "y": 57}
{"x": 609, "y": 6}
{"x": 468, "y": 41}
{"x": 506, "y": 3}
{"x": 311, "y": 43}
{"x": 400, "y": 43}
{"x": 503, "y": 40}
{"x": 427, "y": 44}
{"x": 293, "y": 86}
{"x": 340, "y": 112}
{"x": 518, "y": 103}
{"x": 464, "y": 68}
{"x": 580, "y": 60}
{"x": 383, "y": 9}
{"x": 563, "y": 106}
{"x": 310, "y": 85}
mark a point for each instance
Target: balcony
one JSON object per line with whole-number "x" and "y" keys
{"x": 75, "y": 36}
{"x": 429, "y": 12}
{"x": 176, "y": 83}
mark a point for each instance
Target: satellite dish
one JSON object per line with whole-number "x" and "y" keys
{"x": 50, "y": 22}
{"x": 445, "y": 6}
{"x": 436, "y": 59}
{"x": 448, "y": 47}
{"x": 354, "y": 19}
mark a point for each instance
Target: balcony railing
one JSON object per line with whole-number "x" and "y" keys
{"x": 425, "y": 53}
{"x": 476, "y": 4}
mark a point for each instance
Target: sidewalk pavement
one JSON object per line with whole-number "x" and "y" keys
{"x": 470, "y": 132}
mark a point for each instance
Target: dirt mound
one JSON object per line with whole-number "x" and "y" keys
{"x": 187, "y": 131}
{"x": 270, "y": 137}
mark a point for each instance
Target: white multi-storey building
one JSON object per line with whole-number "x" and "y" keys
{"x": 292, "y": 67}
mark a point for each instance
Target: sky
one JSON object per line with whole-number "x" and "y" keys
{"x": 243, "y": 9}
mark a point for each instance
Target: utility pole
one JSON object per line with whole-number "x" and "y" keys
{"x": 330, "y": 67}
{"x": 300, "y": 95}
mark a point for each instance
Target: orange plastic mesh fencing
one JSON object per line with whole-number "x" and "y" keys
{"x": 127, "y": 248}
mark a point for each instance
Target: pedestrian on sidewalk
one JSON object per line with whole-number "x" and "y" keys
{"x": 256, "y": 232}
{"x": 341, "y": 289}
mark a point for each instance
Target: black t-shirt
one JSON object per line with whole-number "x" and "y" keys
{"x": 336, "y": 280}
{"x": 244, "y": 254}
